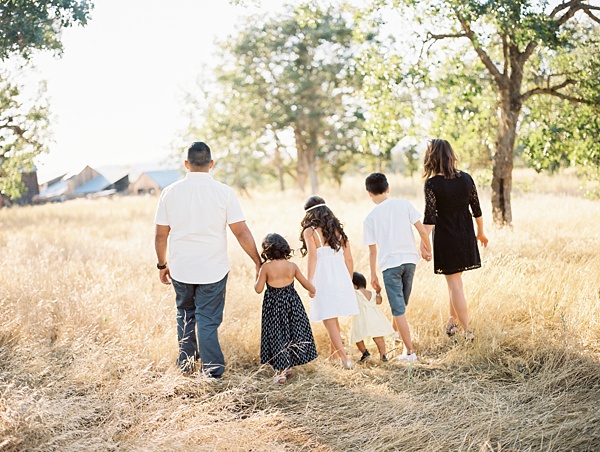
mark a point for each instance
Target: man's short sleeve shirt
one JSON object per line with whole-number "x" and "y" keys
{"x": 198, "y": 210}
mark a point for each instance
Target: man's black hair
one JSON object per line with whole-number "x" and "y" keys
{"x": 199, "y": 154}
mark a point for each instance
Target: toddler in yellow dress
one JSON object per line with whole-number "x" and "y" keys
{"x": 370, "y": 321}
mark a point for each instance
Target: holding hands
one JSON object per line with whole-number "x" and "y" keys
{"x": 375, "y": 283}
{"x": 425, "y": 253}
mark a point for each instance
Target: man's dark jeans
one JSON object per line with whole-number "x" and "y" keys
{"x": 199, "y": 314}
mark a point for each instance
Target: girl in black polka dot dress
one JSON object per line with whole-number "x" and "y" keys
{"x": 286, "y": 336}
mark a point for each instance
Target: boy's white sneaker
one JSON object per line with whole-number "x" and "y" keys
{"x": 407, "y": 358}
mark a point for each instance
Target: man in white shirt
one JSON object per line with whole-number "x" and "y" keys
{"x": 192, "y": 218}
{"x": 387, "y": 231}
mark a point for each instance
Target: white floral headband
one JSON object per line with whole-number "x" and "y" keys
{"x": 314, "y": 207}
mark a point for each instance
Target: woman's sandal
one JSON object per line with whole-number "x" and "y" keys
{"x": 280, "y": 379}
{"x": 451, "y": 330}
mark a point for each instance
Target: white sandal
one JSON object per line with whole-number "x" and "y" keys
{"x": 280, "y": 378}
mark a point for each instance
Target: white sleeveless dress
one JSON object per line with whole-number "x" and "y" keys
{"x": 335, "y": 295}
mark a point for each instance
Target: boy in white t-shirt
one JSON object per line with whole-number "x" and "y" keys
{"x": 389, "y": 228}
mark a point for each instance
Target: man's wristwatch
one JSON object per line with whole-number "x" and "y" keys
{"x": 161, "y": 267}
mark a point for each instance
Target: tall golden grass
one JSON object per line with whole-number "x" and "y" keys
{"x": 88, "y": 339}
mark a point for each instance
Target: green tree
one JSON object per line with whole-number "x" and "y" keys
{"x": 517, "y": 44}
{"x": 284, "y": 79}
{"x": 558, "y": 132}
{"x": 465, "y": 111}
{"x": 27, "y": 26}
{"x": 387, "y": 92}
{"x": 23, "y": 131}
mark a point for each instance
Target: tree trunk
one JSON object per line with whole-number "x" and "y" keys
{"x": 503, "y": 159}
{"x": 279, "y": 168}
{"x": 312, "y": 171}
{"x": 307, "y": 161}
{"x": 301, "y": 164}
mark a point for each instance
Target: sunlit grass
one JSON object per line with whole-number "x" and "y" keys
{"x": 88, "y": 339}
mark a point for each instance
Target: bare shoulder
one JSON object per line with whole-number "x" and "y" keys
{"x": 308, "y": 233}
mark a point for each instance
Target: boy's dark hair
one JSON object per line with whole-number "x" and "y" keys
{"x": 359, "y": 280}
{"x": 376, "y": 183}
{"x": 322, "y": 217}
{"x": 198, "y": 154}
{"x": 275, "y": 247}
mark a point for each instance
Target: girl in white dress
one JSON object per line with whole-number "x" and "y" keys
{"x": 371, "y": 321}
{"x": 330, "y": 269}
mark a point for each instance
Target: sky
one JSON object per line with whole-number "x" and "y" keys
{"x": 117, "y": 93}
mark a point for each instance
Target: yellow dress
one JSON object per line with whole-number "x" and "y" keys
{"x": 370, "y": 320}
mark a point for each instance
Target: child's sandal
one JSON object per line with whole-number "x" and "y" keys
{"x": 280, "y": 379}
{"x": 451, "y": 330}
{"x": 469, "y": 335}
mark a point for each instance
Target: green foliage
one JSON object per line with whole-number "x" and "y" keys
{"x": 465, "y": 112}
{"x": 386, "y": 93}
{"x": 284, "y": 94}
{"x": 27, "y": 25}
{"x": 23, "y": 124}
{"x": 544, "y": 54}
{"x": 562, "y": 132}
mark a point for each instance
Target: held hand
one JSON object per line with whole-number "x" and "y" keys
{"x": 311, "y": 294}
{"x": 483, "y": 239}
{"x": 425, "y": 253}
{"x": 375, "y": 284}
{"x": 165, "y": 276}
{"x": 378, "y": 298}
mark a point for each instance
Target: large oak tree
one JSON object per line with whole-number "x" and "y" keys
{"x": 519, "y": 45}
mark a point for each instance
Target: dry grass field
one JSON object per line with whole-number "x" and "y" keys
{"x": 88, "y": 338}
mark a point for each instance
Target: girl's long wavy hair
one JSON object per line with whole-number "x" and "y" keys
{"x": 322, "y": 217}
{"x": 440, "y": 158}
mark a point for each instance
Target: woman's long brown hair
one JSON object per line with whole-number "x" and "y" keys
{"x": 439, "y": 159}
{"x": 322, "y": 217}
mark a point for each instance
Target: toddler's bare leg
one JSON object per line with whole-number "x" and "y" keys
{"x": 380, "y": 345}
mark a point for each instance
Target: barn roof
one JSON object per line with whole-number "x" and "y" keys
{"x": 97, "y": 184}
{"x": 57, "y": 189}
{"x": 164, "y": 177}
{"x": 113, "y": 173}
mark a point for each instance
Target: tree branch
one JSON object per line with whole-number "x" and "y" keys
{"x": 483, "y": 56}
{"x": 562, "y": 7}
{"x": 505, "y": 53}
{"x": 554, "y": 91}
{"x": 447, "y": 35}
{"x": 592, "y": 16}
{"x": 572, "y": 7}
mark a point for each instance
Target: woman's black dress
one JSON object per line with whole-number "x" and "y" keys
{"x": 447, "y": 204}
{"x": 286, "y": 337}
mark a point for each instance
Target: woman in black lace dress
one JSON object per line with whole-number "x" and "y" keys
{"x": 448, "y": 195}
